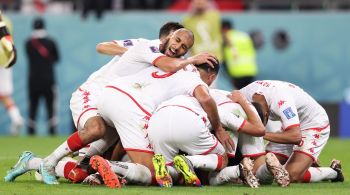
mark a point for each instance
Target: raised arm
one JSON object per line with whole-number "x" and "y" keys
{"x": 111, "y": 48}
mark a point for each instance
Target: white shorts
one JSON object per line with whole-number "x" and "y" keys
{"x": 313, "y": 141}
{"x": 83, "y": 104}
{"x": 123, "y": 112}
{"x": 175, "y": 128}
{"x": 6, "y": 87}
{"x": 250, "y": 146}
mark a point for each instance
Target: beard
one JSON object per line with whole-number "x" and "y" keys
{"x": 164, "y": 46}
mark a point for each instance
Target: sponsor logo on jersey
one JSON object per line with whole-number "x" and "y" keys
{"x": 280, "y": 103}
{"x": 154, "y": 49}
{"x": 289, "y": 113}
{"x": 128, "y": 43}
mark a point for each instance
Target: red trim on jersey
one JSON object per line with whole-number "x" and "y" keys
{"x": 254, "y": 155}
{"x": 187, "y": 108}
{"x": 133, "y": 99}
{"x": 307, "y": 154}
{"x": 219, "y": 166}
{"x": 278, "y": 154}
{"x": 230, "y": 155}
{"x": 228, "y": 102}
{"x": 307, "y": 177}
{"x": 83, "y": 114}
{"x": 319, "y": 129}
{"x": 290, "y": 126}
{"x": 240, "y": 127}
{"x": 155, "y": 60}
{"x": 211, "y": 149}
{"x": 169, "y": 163}
{"x": 138, "y": 150}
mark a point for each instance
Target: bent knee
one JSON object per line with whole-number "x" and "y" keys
{"x": 95, "y": 127}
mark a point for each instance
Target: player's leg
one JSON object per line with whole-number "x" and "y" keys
{"x": 306, "y": 154}
{"x": 332, "y": 173}
{"x": 90, "y": 125}
{"x": 50, "y": 97}
{"x": 33, "y": 108}
{"x": 6, "y": 89}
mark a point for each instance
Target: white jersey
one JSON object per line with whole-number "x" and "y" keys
{"x": 289, "y": 104}
{"x": 131, "y": 62}
{"x": 152, "y": 86}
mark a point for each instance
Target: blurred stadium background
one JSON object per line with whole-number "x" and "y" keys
{"x": 316, "y": 56}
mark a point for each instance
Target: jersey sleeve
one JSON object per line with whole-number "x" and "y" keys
{"x": 192, "y": 80}
{"x": 229, "y": 119}
{"x": 286, "y": 109}
{"x": 146, "y": 52}
{"x": 127, "y": 43}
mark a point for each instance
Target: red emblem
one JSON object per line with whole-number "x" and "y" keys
{"x": 280, "y": 103}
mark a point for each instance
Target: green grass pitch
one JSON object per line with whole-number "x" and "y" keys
{"x": 11, "y": 148}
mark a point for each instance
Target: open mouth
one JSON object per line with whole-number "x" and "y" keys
{"x": 170, "y": 52}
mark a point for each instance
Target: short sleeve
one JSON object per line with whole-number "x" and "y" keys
{"x": 286, "y": 109}
{"x": 230, "y": 120}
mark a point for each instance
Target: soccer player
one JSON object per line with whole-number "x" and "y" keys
{"x": 138, "y": 96}
{"x": 8, "y": 59}
{"x": 180, "y": 124}
{"x": 135, "y": 59}
{"x": 305, "y": 124}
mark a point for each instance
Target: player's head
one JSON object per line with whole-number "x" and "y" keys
{"x": 38, "y": 24}
{"x": 169, "y": 28}
{"x": 260, "y": 111}
{"x": 260, "y": 99}
{"x": 207, "y": 73}
{"x": 178, "y": 43}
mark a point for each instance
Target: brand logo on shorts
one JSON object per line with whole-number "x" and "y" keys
{"x": 289, "y": 113}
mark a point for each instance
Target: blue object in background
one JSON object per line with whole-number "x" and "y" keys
{"x": 344, "y": 119}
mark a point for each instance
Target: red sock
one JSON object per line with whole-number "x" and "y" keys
{"x": 74, "y": 142}
{"x": 307, "y": 177}
{"x": 68, "y": 167}
{"x": 219, "y": 166}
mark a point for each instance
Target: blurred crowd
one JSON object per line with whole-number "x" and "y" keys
{"x": 66, "y": 6}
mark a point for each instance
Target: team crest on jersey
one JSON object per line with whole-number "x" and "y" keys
{"x": 289, "y": 113}
{"x": 154, "y": 49}
{"x": 127, "y": 43}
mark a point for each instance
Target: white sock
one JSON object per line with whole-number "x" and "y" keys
{"x": 225, "y": 175}
{"x": 264, "y": 175}
{"x": 15, "y": 115}
{"x": 132, "y": 172}
{"x": 100, "y": 146}
{"x": 33, "y": 163}
{"x": 58, "y": 154}
{"x": 173, "y": 173}
{"x": 206, "y": 162}
{"x": 321, "y": 173}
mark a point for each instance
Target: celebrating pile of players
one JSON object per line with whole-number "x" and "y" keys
{"x": 148, "y": 117}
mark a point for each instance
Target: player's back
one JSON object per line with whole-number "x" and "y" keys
{"x": 152, "y": 86}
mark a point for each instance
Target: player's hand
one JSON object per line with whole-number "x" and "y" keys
{"x": 202, "y": 58}
{"x": 225, "y": 139}
{"x": 237, "y": 96}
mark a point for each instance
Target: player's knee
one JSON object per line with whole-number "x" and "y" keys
{"x": 95, "y": 127}
{"x": 295, "y": 176}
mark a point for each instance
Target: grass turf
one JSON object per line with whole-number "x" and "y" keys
{"x": 11, "y": 148}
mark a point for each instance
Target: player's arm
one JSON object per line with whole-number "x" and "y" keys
{"x": 111, "y": 48}
{"x": 291, "y": 135}
{"x": 169, "y": 64}
{"x": 253, "y": 126}
{"x": 201, "y": 93}
{"x": 7, "y": 44}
